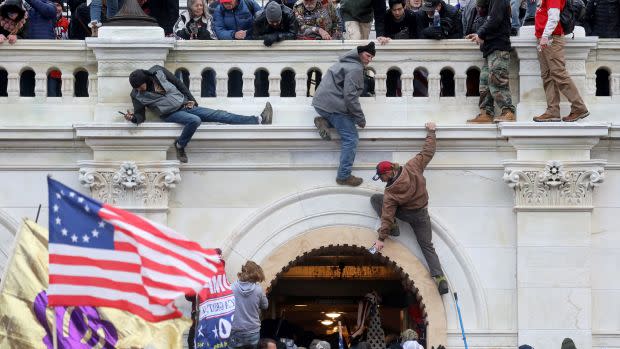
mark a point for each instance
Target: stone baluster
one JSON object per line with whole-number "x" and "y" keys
{"x": 195, "y": 83}
{"x": 221, "y": 83}
{"x": 68, "y": 85}
{"x": 40, "y": 85}
{"x": 92, "y": 84}
{"x": 406, "y": 83}
{"x": 591, "y": 85}
{"x": 460, "y": 85}
{"x": 434, "y": 87}
{"x": 274, "y": 85}
{"x": 301, "y": 80}
{"x": 615, "y": 84}
{"x": 380, "y": 85}
{"x": 12, "y": 88}
{"x": 248, "y": 85}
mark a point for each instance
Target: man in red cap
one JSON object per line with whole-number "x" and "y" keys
{"x": 405, "y": 197}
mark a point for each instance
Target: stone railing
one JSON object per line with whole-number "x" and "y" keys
{"x": 414, "y": 79}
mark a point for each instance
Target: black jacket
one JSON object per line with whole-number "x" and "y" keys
{"x": 472, "y": 18}
{"x": 405, "y": 29}
{"x": 165, "y": 12}
{"x": 139, "y": 108}
{"x": 603, "y": 18}
{"x": 496, "y": 28}
{"x": 288, "y": 29}
{"x": 451, "y": 27}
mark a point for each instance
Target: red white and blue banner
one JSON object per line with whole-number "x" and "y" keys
{"x": 216, "y": 310}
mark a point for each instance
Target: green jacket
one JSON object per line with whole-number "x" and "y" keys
{"x": 363, "y": 11}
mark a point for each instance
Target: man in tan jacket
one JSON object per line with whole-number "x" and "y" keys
{"x": 405, "y": 197}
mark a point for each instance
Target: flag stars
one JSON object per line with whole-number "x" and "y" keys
{"x": 80, "y": 199}
{"x": 58, "y": 196}
{"x": 64, "y": 232}
{"x": 101, "y": 224}
{"x": 95, "y": 233}
{"x": 85, "y": 238}
{"x": 71, "y": 194}
{"x": 55, "y": 208}
{"x": 86, "y": 208}
{"x": 74, "y": 238}
{"x": 58, "y": 221}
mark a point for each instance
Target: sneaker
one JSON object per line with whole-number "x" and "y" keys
{"x": 267, "y": 114}
{"x": 395, "y": 230}
{"x": 351, "y": 180}
{"x": 94, "y": 28}
{"x": 442, "y": 284}
{"x": 181, "y": 155}
{"x": 482, "y": 118}
{"x": 507, "y": 116}
{"x": 575, "y": 116}
{"x": 546, "y": 118}
{"x": 323, "y": 126}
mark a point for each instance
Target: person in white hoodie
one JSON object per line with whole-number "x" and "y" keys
{"x": 249, "y": 300}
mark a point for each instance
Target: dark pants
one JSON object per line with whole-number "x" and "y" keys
{"x": 420, "y": 222}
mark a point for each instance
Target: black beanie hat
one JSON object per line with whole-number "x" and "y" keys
{"x": 370, "y": 48}
{"x": 138, "y": 77}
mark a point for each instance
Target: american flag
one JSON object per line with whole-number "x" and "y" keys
{"x": 100, "y": 255}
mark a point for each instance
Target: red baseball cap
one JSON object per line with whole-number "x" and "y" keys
{"x": 225, "y": 1}
{"x": 382, "y": 168}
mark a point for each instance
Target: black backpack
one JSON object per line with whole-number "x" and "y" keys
{"x": 572, "y": 14}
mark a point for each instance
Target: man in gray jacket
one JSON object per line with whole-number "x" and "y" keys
{"x": 166, "y": 96}
{"x": 337, "y": 102}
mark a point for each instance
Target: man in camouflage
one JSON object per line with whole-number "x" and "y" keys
{"x": 494, "y": 40}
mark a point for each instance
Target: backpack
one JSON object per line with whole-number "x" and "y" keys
{"x": 572, "y": 13}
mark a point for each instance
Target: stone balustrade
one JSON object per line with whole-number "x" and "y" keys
{"x": 412, "y": 78}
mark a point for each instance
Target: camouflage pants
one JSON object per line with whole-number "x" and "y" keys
{"x": 494, "y": 83}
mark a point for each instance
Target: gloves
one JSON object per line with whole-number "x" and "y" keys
{"x": 361, "y": 123}
{"x": 271, "y": 38}
{"x": 432, "y": 33}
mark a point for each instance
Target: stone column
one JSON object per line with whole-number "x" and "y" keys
{"x": 119, "y": 51}
{"x": 553, "y": 178}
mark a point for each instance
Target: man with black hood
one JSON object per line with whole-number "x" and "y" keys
{"x": 405, "y": 197}
{"x": 276, "y": 23}
{"x": 494, "y": 40}
{"x": 449, "y": 27}
{"x": 337, "y": 102}
{"x": 166, "y": 96}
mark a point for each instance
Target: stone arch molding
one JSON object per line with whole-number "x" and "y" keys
{"x": 328, "y": 215}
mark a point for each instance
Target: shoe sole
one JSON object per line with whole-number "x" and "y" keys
{"x": 480, "y": 122}
{"x": 547, "y": 120}
{"x": 268, "y": 118}
{"x": 349, "y": 184}
{"x": 322, "y": 131}
{"x": 579, "y": 118}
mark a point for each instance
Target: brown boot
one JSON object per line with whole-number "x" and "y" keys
{"x": 482, "y": 118}
{"x": 351, "y": 180}
{"x": 546, "y": 118}
{"x": 507, "y": 116}
{"x": 574, "y": 116}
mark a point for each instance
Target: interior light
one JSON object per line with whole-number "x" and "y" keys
{"x": 301, "y": 305}
{"x": 327, "y": 322}
{"x": 333, "y": 315}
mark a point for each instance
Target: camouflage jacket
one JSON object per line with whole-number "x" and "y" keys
{"x": 323, "y": 16}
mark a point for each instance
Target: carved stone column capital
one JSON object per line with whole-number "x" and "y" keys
{"x": 554, "y": 185}
{"x": 141, "y": 186}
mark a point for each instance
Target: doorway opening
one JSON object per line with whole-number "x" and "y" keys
{"x": 324, "y": 286}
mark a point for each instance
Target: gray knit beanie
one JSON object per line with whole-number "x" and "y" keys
{"x": 273, "y": 12}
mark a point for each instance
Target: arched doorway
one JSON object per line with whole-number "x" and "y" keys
{"x": 324, "y": 286}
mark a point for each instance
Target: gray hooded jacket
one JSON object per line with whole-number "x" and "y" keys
{"x": 341, "y": 87}
{"x": 249, "y": 300}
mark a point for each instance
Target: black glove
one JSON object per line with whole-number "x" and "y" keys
{"x": 432, "y": 33}
{"x": 361, "y": 123}
{"x": 269, "y": 40}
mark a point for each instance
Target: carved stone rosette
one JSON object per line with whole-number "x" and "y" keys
{"x": 554, "y": 184}
{"x": 129, "y": 184}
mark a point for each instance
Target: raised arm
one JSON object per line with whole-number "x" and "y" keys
{"x": 421, "y": 160}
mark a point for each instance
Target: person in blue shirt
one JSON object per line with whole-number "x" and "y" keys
{"x": 234, "y": 19}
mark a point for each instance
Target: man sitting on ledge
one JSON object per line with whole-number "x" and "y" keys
{"x": 166, "y": 96}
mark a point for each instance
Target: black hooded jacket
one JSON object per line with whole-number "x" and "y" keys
{"x": 405, "y": 29}
{"x": 496, "y": 28}
{"x": 288, "y": 29}
{"x": 451, "y": 27}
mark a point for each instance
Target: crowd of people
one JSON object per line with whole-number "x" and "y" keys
{"x": 287, "y": 20}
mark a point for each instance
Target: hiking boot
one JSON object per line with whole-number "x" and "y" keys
{"x": 323, "y": 126}
{"x": 267, "y": 114}
{"x": 482, "y": 118}
{"x": 506, "y": 116}
{"x": 394, "y": 230}
{"x": 546, "y": 118}
{"x": 181, "y": 156}
{"x": 573, "y": 116}
{"x": 442, "y": 284}
{"x": 351, "y": 180}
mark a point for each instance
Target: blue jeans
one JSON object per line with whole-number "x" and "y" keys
{"x": 514, "y": 13}
{"x": 112, "y": 7}
{"x": 345, "y": 125}
{"x": 240, "y": 340}
{"x": 531, "y": 10}
{"x": 192, "y": 118}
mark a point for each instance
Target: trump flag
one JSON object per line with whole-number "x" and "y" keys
{"x": 100, "y": 255}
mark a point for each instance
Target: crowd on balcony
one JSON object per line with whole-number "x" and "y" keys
{"x": 281, "y": 20}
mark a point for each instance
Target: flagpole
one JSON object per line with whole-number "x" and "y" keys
{"x": 54, "y": 333}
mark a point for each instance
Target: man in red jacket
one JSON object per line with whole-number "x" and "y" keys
{"x": 406, "y": 197}
{"x": 553, "y": 72}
